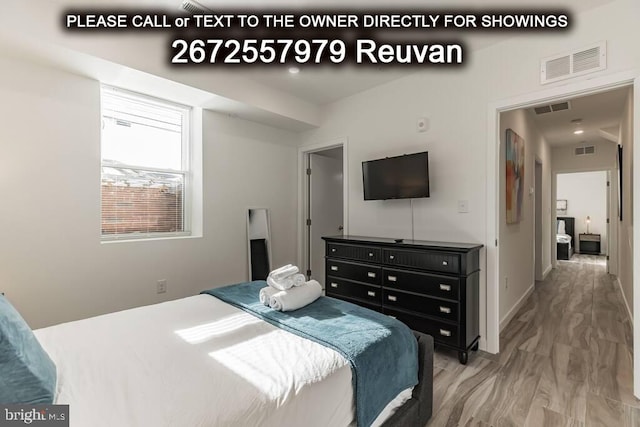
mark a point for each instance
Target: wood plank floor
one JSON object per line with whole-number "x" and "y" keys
{"x": 565, "y": 360}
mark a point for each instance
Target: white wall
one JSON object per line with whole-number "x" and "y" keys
{"x": 382, "y": 122}
{"x": 52, "y": 264}
{"x": 565, "y": 160}
{"x": 517, "y": 275}
{"x": 586, "y": 195}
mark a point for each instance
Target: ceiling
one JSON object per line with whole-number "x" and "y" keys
{"x": 270, "y": 96}
{"x": 325, "y": 85}
{"x": 600, "y": 116}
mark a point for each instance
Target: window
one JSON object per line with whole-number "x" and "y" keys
{"x": 145, "y": 166}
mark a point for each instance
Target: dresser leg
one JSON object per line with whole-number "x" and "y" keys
{"x": 463, "y": 356}
{"x": 475, "y": 346}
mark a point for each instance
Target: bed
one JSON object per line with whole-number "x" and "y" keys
{"x": 199, "y": 361}
{"x": 565, "y": 237}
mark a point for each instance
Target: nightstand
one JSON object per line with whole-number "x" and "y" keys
{"x": 589, "y": 244}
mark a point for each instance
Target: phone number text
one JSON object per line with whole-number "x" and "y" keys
{"x": 252, "y": 51}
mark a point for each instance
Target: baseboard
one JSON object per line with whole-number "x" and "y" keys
{"x": 546, "y": 272}
{"x": 626, "y": 303}
{"x": 506, "y": 319}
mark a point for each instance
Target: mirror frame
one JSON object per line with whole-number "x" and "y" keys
{"x": 269, "y": 252}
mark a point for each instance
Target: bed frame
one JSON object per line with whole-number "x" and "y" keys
{"x": 564, "y": 250}
{"x": 417, "y": 410}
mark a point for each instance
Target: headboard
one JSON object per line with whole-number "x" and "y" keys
{"x": 569, "y": 226}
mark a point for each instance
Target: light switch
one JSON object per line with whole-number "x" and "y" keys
{"x": 463, "y": 206}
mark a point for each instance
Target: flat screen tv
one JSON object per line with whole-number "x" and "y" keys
{"x": 401, "y": 177}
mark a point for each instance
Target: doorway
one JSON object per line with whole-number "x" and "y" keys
{"x": 493, "y": 250}
{"x": 325, "y": 206}
{"x": 538, "y": 246}
{"x": 322, "y": 203}
{"x": 585, "y": 198}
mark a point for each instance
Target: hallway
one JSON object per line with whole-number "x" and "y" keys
{"x": 565, "y": 360}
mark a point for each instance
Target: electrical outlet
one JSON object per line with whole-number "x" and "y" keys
{"x": 463, "y": 206}
{"x": 162, "y": 286}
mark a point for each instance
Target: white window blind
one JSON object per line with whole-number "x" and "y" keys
{"x": 145, "y": 170}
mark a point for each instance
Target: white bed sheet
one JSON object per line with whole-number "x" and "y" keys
{"x": 563, "y": 238}
{"x": 197, "y": 361}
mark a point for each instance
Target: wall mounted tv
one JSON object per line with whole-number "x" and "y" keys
{"x": 401, "y": 177}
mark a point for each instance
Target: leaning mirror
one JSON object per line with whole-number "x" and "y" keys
{"x": 259, "y": 243}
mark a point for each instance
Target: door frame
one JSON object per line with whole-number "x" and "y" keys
{"x": 303, "y": 194}
{"x": 553, "y": 94}
{"x": 612, "y": 232}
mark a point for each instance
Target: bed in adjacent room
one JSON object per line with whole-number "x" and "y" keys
{"x": 199, "y": 361}
{"x": 565, "y": 237}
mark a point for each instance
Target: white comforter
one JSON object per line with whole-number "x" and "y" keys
{"x": 196, "y": 361}
{"x": 563, "y": 238}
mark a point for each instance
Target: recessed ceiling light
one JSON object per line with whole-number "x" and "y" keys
{"x": 294, "y": 70}
{"x": 578, "y": 131}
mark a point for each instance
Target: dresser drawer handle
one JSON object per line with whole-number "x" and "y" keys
{"x": 392, "y": 257}
{"x": 445, "y": 309}
{"x": 392, "y": 298}
{"x": 393, "y": 278}
{"x": 371, "y": 293}
{"x": 372, "y": 275}
{"x": 333, "y": 249}
{"x": 445, "y": 333}
{"x": 370, "y": 253}
{"x": 445, "y": 287}
{"x": 445, "y": 262}
{"x": 334, "y": 285}
{"x": 334, "y": 268}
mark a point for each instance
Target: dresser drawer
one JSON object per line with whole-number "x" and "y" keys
{"x": 352, "y": 271}
{"x": 368, "y": 293}
{"x": 440, "y": 331}
{"x": 354, "y": 252}
{"x": 447, "y": 310}
{"x": 424, "y": 283}
{"x": 434, "y": 261}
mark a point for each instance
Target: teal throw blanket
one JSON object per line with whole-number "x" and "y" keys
{"x": 382, "y": 351}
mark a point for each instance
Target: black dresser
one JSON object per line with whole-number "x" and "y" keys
{"x": 430, "y": 286}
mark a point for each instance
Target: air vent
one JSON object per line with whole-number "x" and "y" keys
{"x": 585, "y": 150}
{"x": 194, "y": 7}
{"x": 573, "y": 64}
{"x": 557, "y": 68}
{"x": 560, "y": 106}
{"x": 544, "y": 109}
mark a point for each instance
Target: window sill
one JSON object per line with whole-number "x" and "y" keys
{"x": 110, "y": 240}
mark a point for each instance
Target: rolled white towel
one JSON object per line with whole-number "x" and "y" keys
{"x": 266, "y": 294}
{"x": 296, "y": 297}
{"x": 284, "y": 271}
{"x": 287, "y": 282}
{"x": 298, "y": 279}
{"x": 279, "y": 285}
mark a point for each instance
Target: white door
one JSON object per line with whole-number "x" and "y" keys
{"x": 325, "y": 206}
